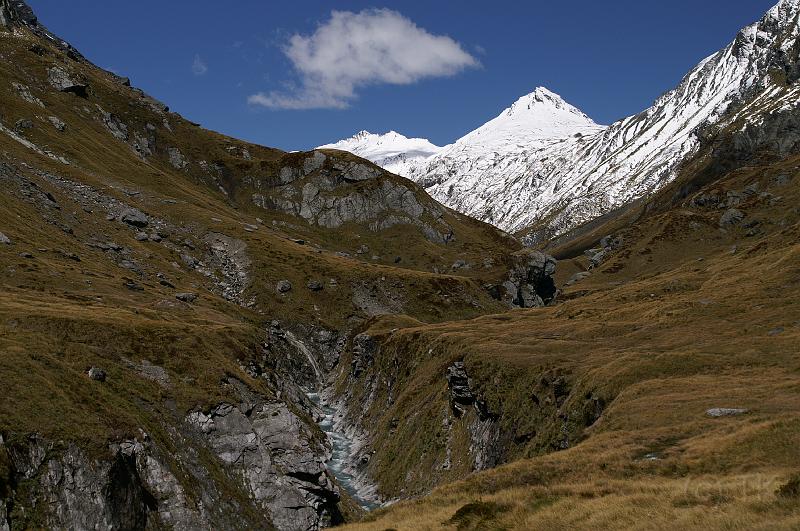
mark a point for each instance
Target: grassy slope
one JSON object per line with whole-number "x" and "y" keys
{"x": 61, "y": 316}
{"x": 672, "y": 324}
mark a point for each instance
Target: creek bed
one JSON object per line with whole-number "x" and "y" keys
{"x": 341, "y": 446}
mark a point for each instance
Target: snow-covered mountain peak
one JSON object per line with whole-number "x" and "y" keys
{"x": 542, "y": 114}
{"x": 393, "y": 151}
{"x": 543, "y": 100}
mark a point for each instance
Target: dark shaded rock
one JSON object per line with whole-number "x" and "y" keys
{"x": 283, "y": 286}
{"x": 97, "y": 374}
{"x": 315, "y": 285}
{"x": 781, "y": 180}
{"x": 461, "y": 395}
{"x": 531, "y": 283}
{"x": 134, "y": 217}
{"x": 186, "y": 297}
{"x": 364, "y": 350}
{"x": 62, "y": 81}
{"x": 132, "y": 285}
{"x": 23, "y": 124}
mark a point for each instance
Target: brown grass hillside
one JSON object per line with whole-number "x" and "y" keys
{"x": 684, "y": 317}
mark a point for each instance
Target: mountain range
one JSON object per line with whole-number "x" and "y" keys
{"x": 542, "y": 167}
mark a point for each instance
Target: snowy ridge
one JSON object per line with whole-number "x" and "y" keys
{"x": 392, "y": 151}
{"x": 543, "y": 162}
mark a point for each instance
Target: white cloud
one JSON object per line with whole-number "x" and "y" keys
{"x": 353, "y": 50}
{"x": 199, "y": 68}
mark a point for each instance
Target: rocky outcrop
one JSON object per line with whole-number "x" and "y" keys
{"x": 331, "y": 193}
{"x": 598, "y": 255}
{"x": 62, "y": 81}
{"x": 277, "y": 458}
{"x": 228, "y": 264}
{"x": 484, "y": 432}
{"x": 530, "y": 282}
{"x": 66, "y": 488}
{"x": 460, "y": 394}
{"x": 269, "y": 469}
{"x": 18, "y": 13}
{"x": 364, "y": 349}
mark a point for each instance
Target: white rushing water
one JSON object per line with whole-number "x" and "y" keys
{"x": 343, "y": 447}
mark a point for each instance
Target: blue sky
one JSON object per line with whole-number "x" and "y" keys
{"x": 445, "y": 67}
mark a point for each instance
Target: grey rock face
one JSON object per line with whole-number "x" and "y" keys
{"x": 314, "y": 162}
{"x": 324, "y": 194}
{"x": 79, "y": 492}
{"x": 364, "y": 350}
{"x": 483, "y": 430}
{"x": 134, "y": 217}
{"x": 4, "y": 240}
{"x": 3, "y": 511}
{"x": 596, "y": 257}
{"x": 731, "y": 217}
{"x": 57, "y": 123}
{"x": 230, "y": 262}
{"x": 176, "y": 158}
{"x": 460, "y": 394}
{"x": 62, "y": 81}
{"x": 114, "y": 125}
{"x": 25, "y": 93}
{"x": 530, "y": 283}
{"x": 725, "y": 412}
{"x": 275, "y": 455}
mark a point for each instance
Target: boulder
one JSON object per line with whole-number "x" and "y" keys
{"x": 4, "y": 240}
{"x": 283, "y": 286}
{"x": 731, "y": 217}
{"x": 577, "y": 277}
{"x": 23, "y": 124}
{"x": 57, "y": 123}
{"x": 62, "y": 81}
{"x": 97, "y": 374}
{"x": 186, "y": 297}
{"x": 134, "y": 217}
{"x": 314, "y": 285}
{"x": 596, "y": 257}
